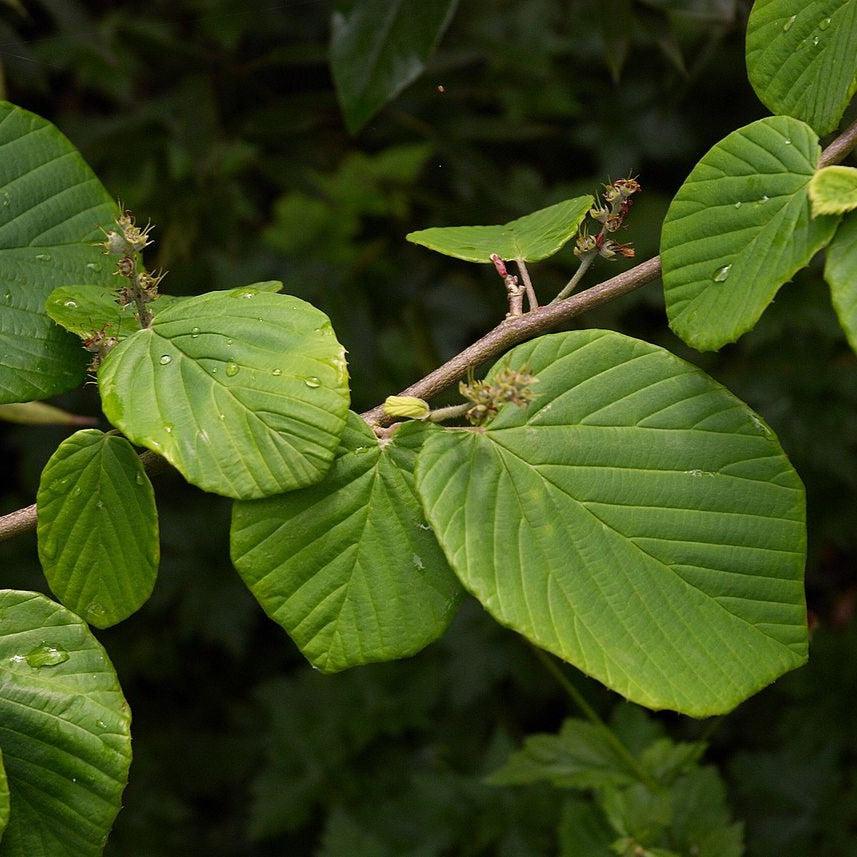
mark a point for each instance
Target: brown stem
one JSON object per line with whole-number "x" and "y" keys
{"x": 532, "y": 300}
{"x": 840, "y": 148}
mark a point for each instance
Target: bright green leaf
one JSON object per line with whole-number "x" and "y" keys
{"x": 64, "y": 731}
{"x": 840, "y": 272}
{"x": 701, "y": 823}
{"x": 85, "y": 310}
{"x": 802, "y": 58}
{"x": 740, "y": 227}
{"x": 98, "y": 527}
{"x": 379, "y": 47}
{"x": 530, "y": 238}
{"x": 636, "y": 812}
{"x": 833, "y": 190}
{"x": 348, "y": 566}
{"x": 636, "y": 519}
{"x": 665, "y": 760}
{"x": 51, "y": 208}
{"x": 244, "y": 392}
{"x": 579, "y": 757}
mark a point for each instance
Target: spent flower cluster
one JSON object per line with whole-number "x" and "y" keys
{"x": 509, "y": 386}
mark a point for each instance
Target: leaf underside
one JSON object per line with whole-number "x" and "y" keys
{"x": 64, "y": 731}
{"x": 530, "y": 238}
{"x": 348, "y": 566}
{"x": 802, "y": 58}
{"x": 244, "y": 392}
{"x": 740, "y": 227}
{"x": 636, "y": 519}
{"x": 98, "y": 527}
{"x": 840, "y": 271}
{"x": 379, "y": 47}
{"x": 51, "y": 208}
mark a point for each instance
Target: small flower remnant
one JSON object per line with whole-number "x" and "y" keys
{"x": 99, "y": 344}
{"x": 509, "y": 386}
{"x": 611, "y": 214}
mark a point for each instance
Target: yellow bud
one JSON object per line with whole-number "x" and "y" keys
{"x": 406, "y": 406}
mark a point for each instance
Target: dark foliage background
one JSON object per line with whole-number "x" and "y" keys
{"x": 218, "y": 119}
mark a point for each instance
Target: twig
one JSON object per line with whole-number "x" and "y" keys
{"x": 571, "y": 285}
{"x": 840, "y": 148}
{"x": 532, "y": 300}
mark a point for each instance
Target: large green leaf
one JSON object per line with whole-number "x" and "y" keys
{"x": 98, "y": 527}
{"x": 841, "y": 274}
{"x": 379, "y": 47}
{"x": 85, "y": 310}
{"x": 64, "y": 731}
{"x": 740, "y": 227}
{"x": 636, "y": 519}
{"x": 530, "y": 238}
{"x": 244, "y": 392}
{"x": 348, "y": 566}
{"x": 802, "y": 58}
{"x": 51, "y": 208}
{"x": 833, "y": 190}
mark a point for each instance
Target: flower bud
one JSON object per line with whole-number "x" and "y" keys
{"x": 406, "y": 406}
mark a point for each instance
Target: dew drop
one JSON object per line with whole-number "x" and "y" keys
{"x": 43, "y": 257}
{"x": 7, "y": 296}
{"x": 229, "y": 342}
{"x": 93, "y": 266}
{"x": 46, "y": 656}
{"x": 764, "y": 199}
{"x": 312, "y": 381}
{"x": 194, "y": 332}
{"x": 816, "y": 40}
{"x": 5, "y": 200}
{"x": 99, "y": 504}
{"x": 16, "y": 660}
{"x": 165, "y": 358}
{"x": 824, "y": 24}
{"x": 738, "y": 204}
{"x": 231, "y": 369}
{"x": 277, "y": 372}
{"x": 721, "y": 275}
{"x": 168, "y": 428}
{"x": 222, "y": 417}
{"x": 788, "y": 142}
{"x": 76, "y": 491}
{"x": 696, "y": 473}
{"x": 789, "y": 23}
{"x": 139, "y": 479}
{"x": 100, "y": 724}
{"x": 71, "y": 304}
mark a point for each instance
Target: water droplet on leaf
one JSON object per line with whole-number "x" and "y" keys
{"x": 194, "y": 332}
{"x": 312, "y": 381}
{"x": 93, "y": 266}
{"x": 738, "y": 204}
{"x": 764, "y": 199}
{"x": 71, "y": 304}
{"x": 789, "y": 23}
{"x": 168, "y": 427}
{"x": 139, "y": 479}
{"x": 824, "y": 24}
{"x": 721, "y": 275}
{"x": 46, "y": 656}
{"x": 232, "y": 369}
{"x": 43, "y": 257}
{"x": 277, "y": 372}
{"x": 165, "y": 358}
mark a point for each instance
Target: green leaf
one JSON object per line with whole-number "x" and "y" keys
{"x": 636, "y": 519}
{"x": 98, "y": 527}
{"x": 85, "y": 310}
{"x": 840, "y": 271}
{"x": 802, "y": 58}
{"x": 579, "y": 757}
{"x": 666, "y": 760}
{"x": 244, "y": 392}
{"x": 740, "y": 227}
{"x": 348, "y": 566}
{"x": 833, "y": 190}
{"x": 379, "y": 47}
{"x": 636, "y": 812}
{"x": 64, "y": 731}
{"x": 584, "y": 831}
{"x": 4, "y": 798}
{"x": 531, "y": 238}
{"x": 51, "y": 208}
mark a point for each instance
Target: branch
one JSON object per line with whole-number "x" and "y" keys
{"x": 514, "y": 330}
{"x": 509, "y": 332}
